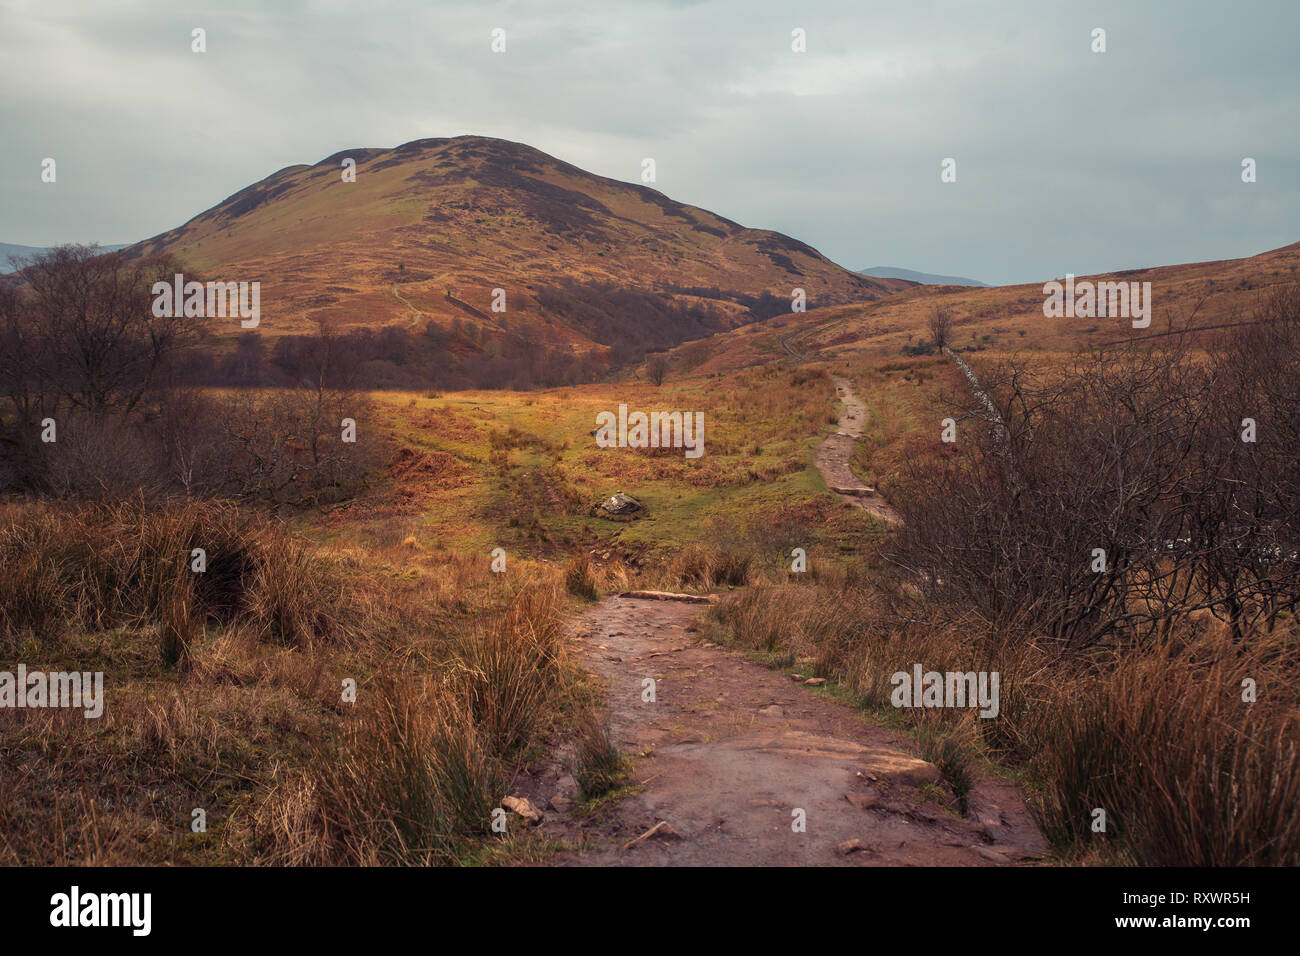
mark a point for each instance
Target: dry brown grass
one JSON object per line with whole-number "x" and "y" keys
{"x": 579, "y": 578}
{"x": 704, "y": 566}
{"x": 1006, "y": 319}
{"x": 1160, "y": 738}
{"x": 225, "y": 693}
{"x": 424, "y": 761}
{"x": 96, "y": 567}
{"x": 413, "y": 780}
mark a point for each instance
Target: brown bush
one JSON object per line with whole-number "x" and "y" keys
{"x": 1133, "y": 451}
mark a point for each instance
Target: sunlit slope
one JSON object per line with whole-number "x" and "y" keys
{"x": 429, "y": 229}
{"x": 1195, "y": 295}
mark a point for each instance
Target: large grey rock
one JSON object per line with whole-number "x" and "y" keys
{"x": 620, "y": 504}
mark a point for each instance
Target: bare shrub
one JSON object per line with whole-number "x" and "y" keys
{"x": 1117, "y": 499}
{"x": 656, "y": 369}
{"x": 940, "y": 323}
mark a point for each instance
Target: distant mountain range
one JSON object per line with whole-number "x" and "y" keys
{"x": 924, "y": 278}
{"x": 8, "y": 249}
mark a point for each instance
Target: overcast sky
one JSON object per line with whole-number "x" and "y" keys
{"x": 1067, "y": 160}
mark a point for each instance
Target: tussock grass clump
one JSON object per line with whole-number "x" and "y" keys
{"x": 1188, "y": 773}
{"x": 510, "y": 666}
{"x": 34, "y": 591}
{"x": 177, "y": 628}
{"x": 703, "y": 566}
{"x": 598, "y": 765}
{"x": 425, "y": 761}
{"x": 950, "y": 746}
{"x": 414, "y": 779}
{"x": 615, "y": 575}
{"x": 579, "y": 578}
{"x": 95, "y": 567}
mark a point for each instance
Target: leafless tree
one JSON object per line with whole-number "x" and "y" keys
{"x": 941, "y": 326}
{"x": 1133, "y": 502}
{"x": 104, "y": 347}
{"x": 656, "y": 369}
{"x": 79, "y": 339}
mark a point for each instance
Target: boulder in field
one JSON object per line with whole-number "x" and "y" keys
{"x": 619, "y": 504}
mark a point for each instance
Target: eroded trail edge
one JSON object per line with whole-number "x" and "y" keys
{"x": 729, "y": 755}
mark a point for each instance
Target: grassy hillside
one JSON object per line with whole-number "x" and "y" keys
{"x": 429, "y": 229}
{"x": 1007, "y": 318}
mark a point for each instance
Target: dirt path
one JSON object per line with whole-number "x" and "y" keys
{"x": 833, "y": 456}
{"x": 795, "y": 357}
{"x": 729, "y": 751}
{"x": 730, "y": 757}
{"x": 406, "y": 302}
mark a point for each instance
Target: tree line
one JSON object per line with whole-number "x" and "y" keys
{"x": 100, "y": 397}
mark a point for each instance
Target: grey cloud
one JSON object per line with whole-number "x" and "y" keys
{"x": 1067, "y": 160}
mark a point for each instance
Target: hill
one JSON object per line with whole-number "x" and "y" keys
{"x": 922, "y": 278}
{"x": 1193, "y": 295}
{"x": 593, "y": 270}
{"x": 9, "y": 249}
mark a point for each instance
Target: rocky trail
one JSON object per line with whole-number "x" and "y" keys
{"x": 737, "y": 764}
{"x": 833, "y": 456}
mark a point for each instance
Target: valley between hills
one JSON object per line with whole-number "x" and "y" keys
{"x": 428, "y": 643}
